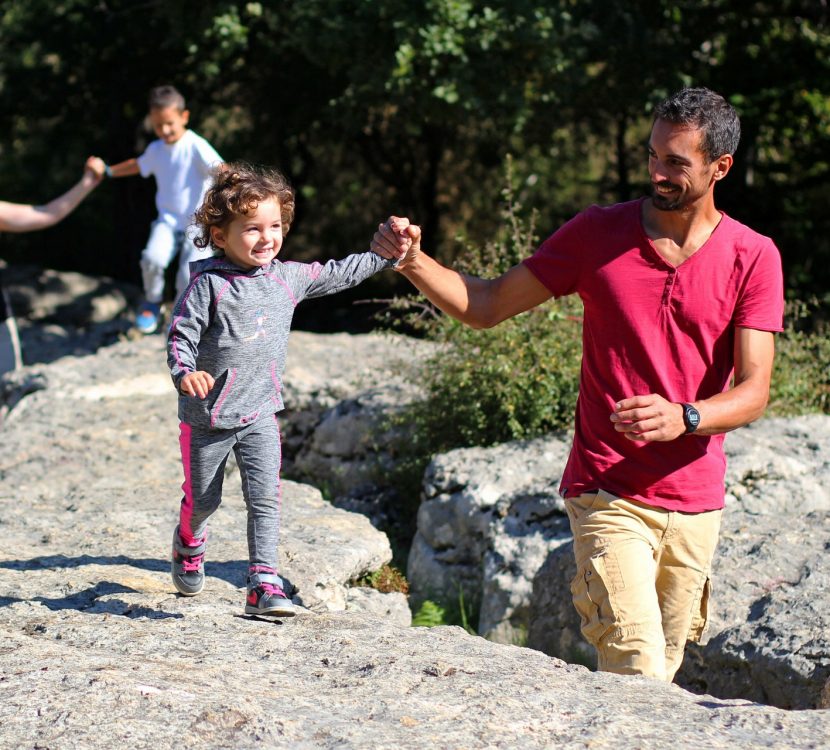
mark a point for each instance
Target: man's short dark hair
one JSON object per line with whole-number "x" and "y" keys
{"x": 707, "y": 111}
{"x": 162, "y": 97}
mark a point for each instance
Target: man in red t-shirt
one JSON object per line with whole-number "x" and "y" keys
{"x": 679, "y": 299}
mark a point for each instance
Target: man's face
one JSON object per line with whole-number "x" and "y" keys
{"x": 169, "y": 123}
{"x": 680, "y": 174}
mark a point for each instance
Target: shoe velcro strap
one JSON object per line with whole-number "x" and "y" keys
{"x": 256, "y": 578}
{"x": 189, "y": 551}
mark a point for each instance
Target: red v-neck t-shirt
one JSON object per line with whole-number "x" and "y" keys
{"x": 652, "y": 327}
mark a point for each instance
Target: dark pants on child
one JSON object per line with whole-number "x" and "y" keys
{"x": 258, "y": 454}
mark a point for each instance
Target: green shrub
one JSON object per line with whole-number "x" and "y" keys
{"x": 429, "y": 615}
{"x": 801, "y": 376}
{"x": 515, "y": 381}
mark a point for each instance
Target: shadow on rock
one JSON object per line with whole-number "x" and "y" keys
{"x": 96, "y": 600}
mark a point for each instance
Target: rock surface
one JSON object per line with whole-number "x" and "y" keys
{"x": 492, "y": 524}
{"x": 90, "y": 468}
{"x": 488, "y": 519}
{"x": 96, "y": 651}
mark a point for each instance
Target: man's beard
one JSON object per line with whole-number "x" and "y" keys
{"x": 663, "y": 202}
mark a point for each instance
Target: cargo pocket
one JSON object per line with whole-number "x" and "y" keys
{"x": 590, "y": 593}
{"x": 578, "y": 507}
{"x": 700, "y": 611}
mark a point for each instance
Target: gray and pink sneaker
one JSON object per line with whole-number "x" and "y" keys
{"x": 266, "y": 595}
{"x": 188, "y": 566}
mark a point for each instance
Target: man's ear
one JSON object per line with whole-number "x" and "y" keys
{"x": 217, "y": 237}
{"x": 722, "y": 166}
{"x": 185, "y": 116}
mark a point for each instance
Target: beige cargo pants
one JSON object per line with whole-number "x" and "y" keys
{"x": 642, "y": 582}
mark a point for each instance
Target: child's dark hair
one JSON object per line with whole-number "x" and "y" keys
{"x": 237, "y": 189}
{"x": 162, "y": 97}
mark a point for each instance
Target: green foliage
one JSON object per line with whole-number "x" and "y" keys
{"x": 801, "y": 377}
{"x": 432, "y": 614}
{"x": 429, "y": 615}
{"x": 516, "y": 381}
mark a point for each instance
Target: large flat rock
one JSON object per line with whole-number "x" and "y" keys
{"x": 97, "y": 650}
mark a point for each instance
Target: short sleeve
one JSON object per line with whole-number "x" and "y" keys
{"x": 148, "y": 161}
{"x": 206, "y": 156}
{"x": 761, "y": 301}
{"x": 557, "y": 262}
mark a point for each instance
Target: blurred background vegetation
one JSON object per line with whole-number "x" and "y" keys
{"x": 411, "y": 107}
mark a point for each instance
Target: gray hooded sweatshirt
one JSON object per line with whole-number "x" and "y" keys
{"x": 234, "y": 324}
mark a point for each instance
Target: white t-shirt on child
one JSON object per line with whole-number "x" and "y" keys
{"x": 182, "y": 171}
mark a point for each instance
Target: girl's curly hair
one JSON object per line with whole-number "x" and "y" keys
{"x": 237, "y": 189}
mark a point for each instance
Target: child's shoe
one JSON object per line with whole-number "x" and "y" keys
{"x": 148, "y": 317}
{"x": 266, "y": 596}
{"x": 188, "y": 566}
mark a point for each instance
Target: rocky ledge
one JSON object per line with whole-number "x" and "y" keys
{"x": 97, "y": 650}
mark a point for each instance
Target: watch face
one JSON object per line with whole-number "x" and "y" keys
{"x": 692, "y": 417}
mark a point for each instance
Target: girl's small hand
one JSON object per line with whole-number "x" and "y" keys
{"x": 197, "y": 384}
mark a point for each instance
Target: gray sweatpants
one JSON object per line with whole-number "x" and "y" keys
{"x": 258, "y": 455}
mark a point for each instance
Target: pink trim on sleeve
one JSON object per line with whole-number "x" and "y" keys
{"x": 282, "y": 283}
{"x": 313, "y": 270}
{"x": 221, "y": 292}
{"x": 176, "y": 320}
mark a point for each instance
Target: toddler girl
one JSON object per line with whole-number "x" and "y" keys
{"x": 226, "y": 350}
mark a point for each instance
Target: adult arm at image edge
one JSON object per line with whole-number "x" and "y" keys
{"x": 18, "y": 217}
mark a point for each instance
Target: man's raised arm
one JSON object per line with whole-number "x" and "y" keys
{"x": 477, "y": 302}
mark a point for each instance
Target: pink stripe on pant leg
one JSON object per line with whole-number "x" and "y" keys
{"x": 186, "y": 511}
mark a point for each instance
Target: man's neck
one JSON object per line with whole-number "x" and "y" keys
{"x": 678, "y": 235}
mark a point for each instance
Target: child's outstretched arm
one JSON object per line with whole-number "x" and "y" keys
{"x": 126, "y": 168}
{"x": 19, "y": 217}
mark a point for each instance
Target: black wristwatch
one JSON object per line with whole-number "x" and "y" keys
{"x": 691, "y": 418}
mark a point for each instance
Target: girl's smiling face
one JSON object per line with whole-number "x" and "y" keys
{"x": 252, "y": 239}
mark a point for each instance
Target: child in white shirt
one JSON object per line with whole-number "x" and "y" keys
{"x": 182, "y": 162}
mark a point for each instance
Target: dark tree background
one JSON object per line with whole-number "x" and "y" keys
{"x": 375, "y": 107}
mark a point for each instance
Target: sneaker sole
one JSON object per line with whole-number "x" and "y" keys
{"x": 279, "y": 611}
{"x": 187, "y": 591}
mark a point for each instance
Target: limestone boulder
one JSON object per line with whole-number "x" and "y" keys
{"x": 487, "y": 522}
